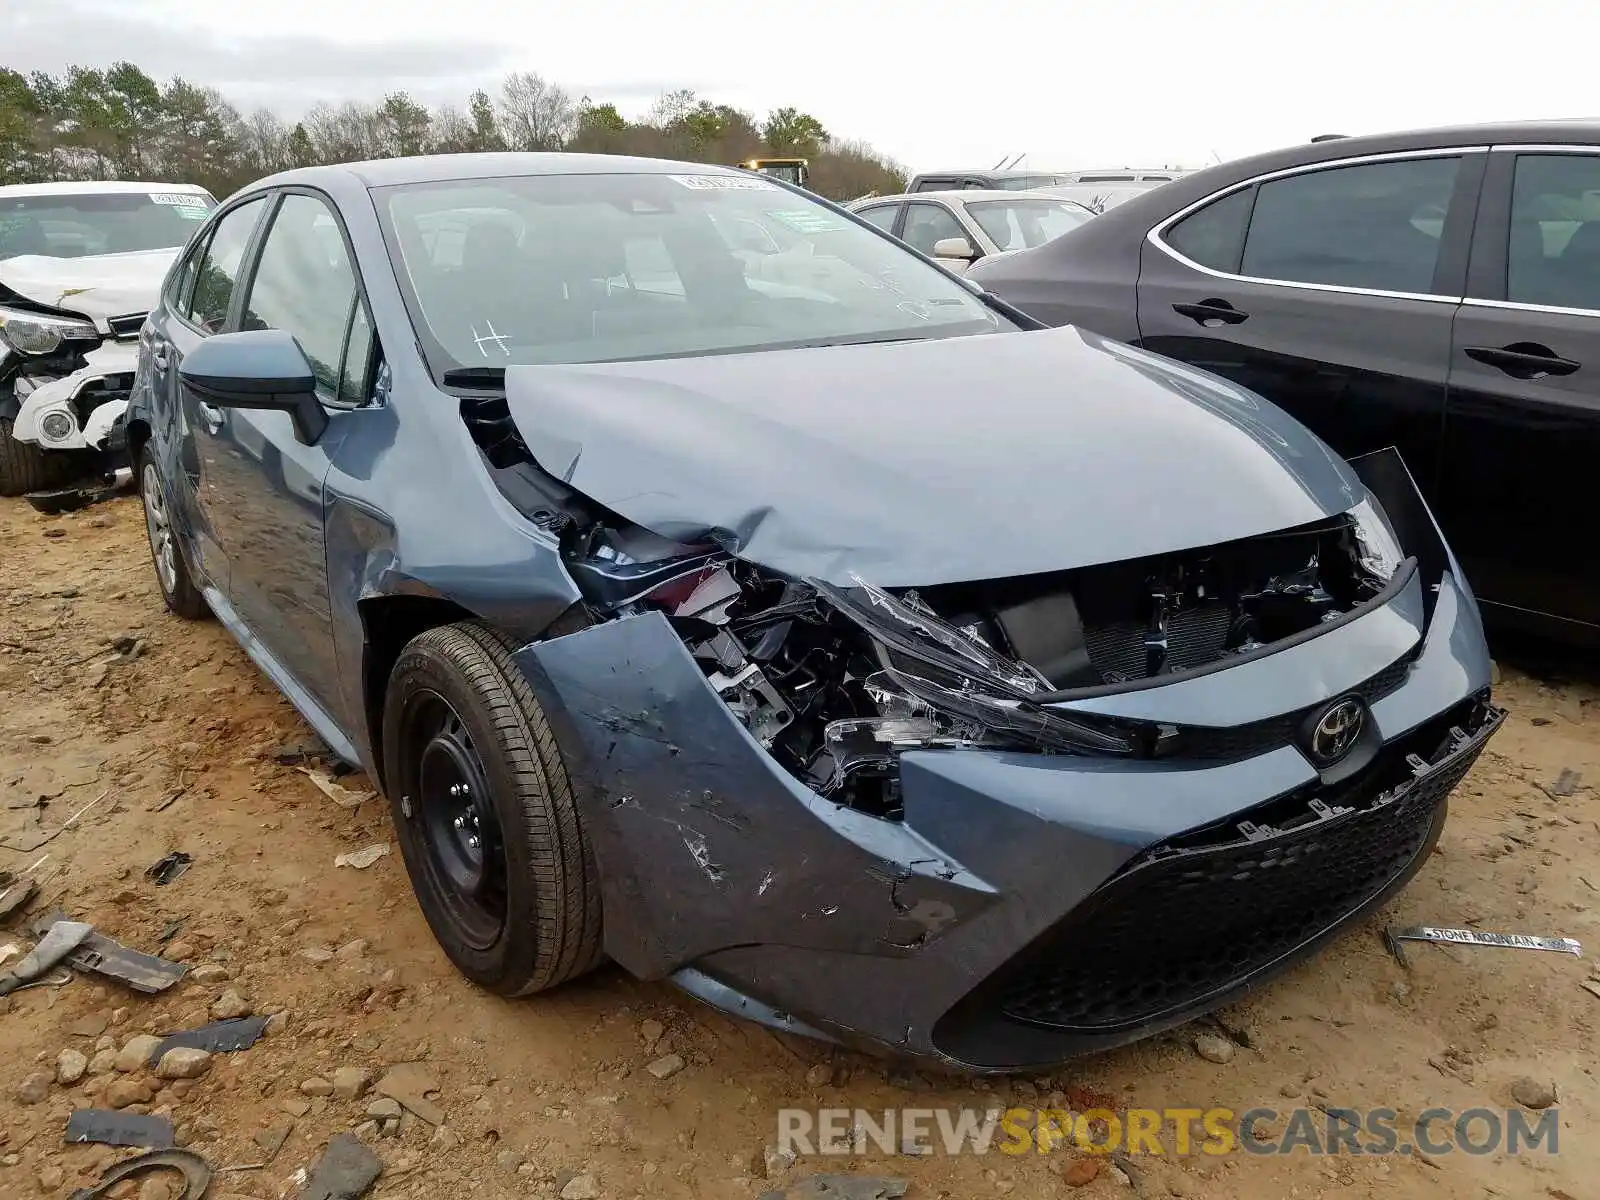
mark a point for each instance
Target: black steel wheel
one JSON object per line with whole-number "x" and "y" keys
{"x": 487, "y": 823}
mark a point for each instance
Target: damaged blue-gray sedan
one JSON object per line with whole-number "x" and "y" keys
{"x": 716, "y": 585}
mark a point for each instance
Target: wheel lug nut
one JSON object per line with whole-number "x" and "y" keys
{"x": 458, "y": 822}
{"x": 472, "y": 840}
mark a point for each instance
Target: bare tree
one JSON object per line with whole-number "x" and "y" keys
{"x": 535, "y": 114}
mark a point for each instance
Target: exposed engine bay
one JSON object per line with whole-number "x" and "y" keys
{"x": 836, "y": 681}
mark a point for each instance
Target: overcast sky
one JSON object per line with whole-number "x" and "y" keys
{"x": 933, "y": 83}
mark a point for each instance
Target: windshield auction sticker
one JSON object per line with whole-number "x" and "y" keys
{"x": 803, "y": 220}
{"x": 178, "y": 199}
{"x": 724, "y": 183}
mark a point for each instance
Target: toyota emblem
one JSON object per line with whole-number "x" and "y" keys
{"x": 1337, "y": 730}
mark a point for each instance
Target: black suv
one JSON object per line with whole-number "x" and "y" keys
{"x": 1436, "y": 291}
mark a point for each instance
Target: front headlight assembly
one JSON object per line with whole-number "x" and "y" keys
{"x": 40, "y": 333}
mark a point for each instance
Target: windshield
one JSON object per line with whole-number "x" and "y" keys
{"x": 75, "y": 226}
{"x": 1024, "y": 224}
{"x": 789, "y": 172}
{"x": 603, "y": 268}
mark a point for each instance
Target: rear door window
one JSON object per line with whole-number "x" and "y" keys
{"x": 1374, "y": 226}
{"x": 1214, "y": 235}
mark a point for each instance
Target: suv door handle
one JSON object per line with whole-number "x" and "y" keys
{"x": 1524, "y": 360}
{"x": 1211, "y": 312}
{"x": 158, "y": 356}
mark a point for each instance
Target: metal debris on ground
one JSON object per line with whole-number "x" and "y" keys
{"x": 841, "y": 1187}
{"x": 56, "y": 943}
{"x": 168, "y": 868}
{"x": 347, "y": 1171}
{"x": 102, "y": 955}
{"x": 1393, "y": 937}
{"x": 363, "y": 858}
{"x": 340, "y": 795}
{"x": 111, "y": 1127}
{"x": 1566, "y": 783}
{"x": 219, "y": 1037}
{"x": 195, "y": 1170}
{"x": 294, "y": 756}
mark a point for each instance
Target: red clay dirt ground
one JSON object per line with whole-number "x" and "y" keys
{"x": 552, "y": 1094}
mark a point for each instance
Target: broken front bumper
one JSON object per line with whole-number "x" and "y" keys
{"x": 1027, "y": 907}
{"x": 82, "y": 410}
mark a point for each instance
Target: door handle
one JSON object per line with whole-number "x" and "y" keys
{"x": 1523, "y": 360}
{"x": 1211, "y": 313}
{"x": 211, "y": 417}
{"x": 158, "y": 357}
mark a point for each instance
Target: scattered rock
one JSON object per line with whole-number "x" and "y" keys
{"x": 1400, "y": 990}
{"x": 230, "y": 1005}
{"x": 277, "y": 1023}
{"x": 34, "y": 1089}
{"x": 211, "y": 973}
{"x": 664, "y": 1068}
{"x": 351, "y": 1083}
{"x": 272, "y": 1138}
{"x": 384, "y": 1108}
{"x": 183, "y": 1062}
{"x": 179, "y": 951}
{"x": 444, "y": 1139}
{"x": 1533, "y": 1093}
{"x": 581, "y": 1187}
{"x": 71, "y": 1066}
{"x": 509, "y": 1161}
{"x": 91, "y": 1026}
{"x": 651, "y": 1031}
{"x": 1212, "y": 1047}
{"x": 316, "y": 1086}
{"x": 350, "y": 950}
{"x": 410, "y": 1084}
{"x": 129, "y": 1089}
{"x": 103, "y": 1062}
{"x": 363, "y": 858}
{"x": 50, "y": 1178}
{"x": 159, "y": 1187}
{"x": 295, "y": 1106}
{"x": 1290, "y": 1090}
{"x": 819, "y": 1075}
{"x": 775, "y": 1160}
{"x": 135, "y": 1053}
{"x": 317, "y": 954}
{"x": 1080, "y": 1172}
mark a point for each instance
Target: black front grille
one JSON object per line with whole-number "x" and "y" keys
{"x": 126, "y": 328}
{"x": 1223, "y": 743}
{"x": 1196, "y": 636}
{"x": 1195, "y": 916}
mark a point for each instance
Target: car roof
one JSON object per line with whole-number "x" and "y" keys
{"x": 1007, "y": 173}
{"x": 960, "y": 195}
{"x": 97, "y": 186}
{"x": 436, "y": 168}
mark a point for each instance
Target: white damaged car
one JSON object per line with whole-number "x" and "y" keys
{"x": 81, "y": 264}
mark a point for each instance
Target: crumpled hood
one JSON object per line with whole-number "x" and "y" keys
{"x": 97, "y": 286}
{"x": 930, "y": 462}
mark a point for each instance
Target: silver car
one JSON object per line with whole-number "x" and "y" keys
{"x": 960, "y": 227}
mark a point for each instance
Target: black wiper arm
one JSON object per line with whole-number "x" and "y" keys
{"x": 476, "y": 377}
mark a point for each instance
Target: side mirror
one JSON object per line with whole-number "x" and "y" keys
{"x": 956, "y": 247}
{"x": 259, "y": 368}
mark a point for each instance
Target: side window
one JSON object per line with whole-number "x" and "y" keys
{"x": 881, "y": 215}
{"x": 219, "y": 269}
{"x": 1553, "y": 256}
{"x": 1214, "y": 236}
{"x": 355, "y": 384}
{"x": 927, "y": 224}
{"x": 304, "y": 284}
{"x": 1376, "y": 225}
{"x": 181, "y": 283}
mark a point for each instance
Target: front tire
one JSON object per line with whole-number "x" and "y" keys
{"x": 487, "y": 822}
{"x": 26, "y": 468}
{"x": 178, "y": 591}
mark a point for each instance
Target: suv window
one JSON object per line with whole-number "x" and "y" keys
{"x": 1376, "y": 225}
{"x": 219, "y": 269}
{"x": 928, "y": 223}
{"x": 1553, "y": 257}
{"x": 1214, "y": 236}
{"x": 304, "y": 284}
